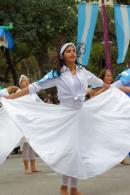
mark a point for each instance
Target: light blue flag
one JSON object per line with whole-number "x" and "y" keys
{"x": 6, "y": 38}
{"x": 87, "y": 16}
{"x": 122, "y": 22}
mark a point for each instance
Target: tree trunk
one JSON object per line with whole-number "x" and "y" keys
{"x": 10, "y": 66}
{"x": 43, "y": 60}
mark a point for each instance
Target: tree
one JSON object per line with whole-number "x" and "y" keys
{"x": 125, "y": 2}
{"x": 40, "y": 26}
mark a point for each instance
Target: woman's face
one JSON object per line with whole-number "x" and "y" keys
{"x": 24, "y": 83}
{"x": 70, "y": 55}
{"x": 108, "y": 77}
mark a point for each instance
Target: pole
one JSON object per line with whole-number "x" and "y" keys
{"x": 106, "y": 37}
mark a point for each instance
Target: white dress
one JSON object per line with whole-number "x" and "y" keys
{"x": 78, "y": 139}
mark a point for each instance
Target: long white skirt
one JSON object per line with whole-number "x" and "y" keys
{"x": 81, "y": 142}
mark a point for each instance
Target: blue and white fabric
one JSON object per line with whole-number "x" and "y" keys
{"x": 122, "y": 24}
{"x": 87, "y": 16}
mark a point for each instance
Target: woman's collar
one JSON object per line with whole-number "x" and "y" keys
{"x": 65, "y": 68}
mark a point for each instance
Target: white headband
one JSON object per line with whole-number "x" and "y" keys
{"x": 64, "y": 47}
{"x": 22, "y": 77}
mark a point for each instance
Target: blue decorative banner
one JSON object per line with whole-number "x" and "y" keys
{"x": 6, "y": 39}
{"x": 87, "y": 16}
{"x": 122, "y": 23}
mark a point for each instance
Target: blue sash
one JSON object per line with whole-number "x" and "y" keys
{"x": 124, "y": 76}
{"x": 50, "y": 75}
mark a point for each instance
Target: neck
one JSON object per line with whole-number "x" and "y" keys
{"x": 22, "y": 87}
{"x": 72, "y": 66}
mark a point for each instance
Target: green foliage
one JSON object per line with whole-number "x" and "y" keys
{"x": 39, "y": 26}
{"x": 97, "y": 54}
{"x": 40, "y": 23}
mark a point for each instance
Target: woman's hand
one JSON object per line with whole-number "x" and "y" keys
{"x": 12, "y": 96}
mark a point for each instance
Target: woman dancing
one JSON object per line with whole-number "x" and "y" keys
{"x": 76, "y": 138}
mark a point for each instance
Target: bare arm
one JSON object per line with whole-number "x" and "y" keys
{"x": 125, "y": 89}
{"x": 33, "y": 88}
{"x": 92, "y": 92}
{"x": 89, "y": 91}
{"x": 23, "y": 92}
{"x": 101, "y": 90}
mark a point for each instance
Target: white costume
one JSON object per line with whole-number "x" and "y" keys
{"x": 4, "y": 92}
{"x": 27, "y": 151}
{"x": 78, "y": 139}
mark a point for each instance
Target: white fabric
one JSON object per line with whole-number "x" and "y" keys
{"x": 69, "y": 181}
{"x": 4, "y": 92}
{"x": 10, "y": 135}
{"x": 8, "y": 139}
{"x": 28, "y": 98}
{"x": 76, "y": 139}
{"x": 81, "y": 142}
{"x": 117, "y": 84}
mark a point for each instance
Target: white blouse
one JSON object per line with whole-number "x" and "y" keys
{"x": 71, "y": 88}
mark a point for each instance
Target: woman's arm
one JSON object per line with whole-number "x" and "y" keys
{"x": 104, "y": 88}
{"x": 100, "y": 91}
{"x": 93, "y": 92}
{"x": 23, "y": 92}
{"x": 34, "y": 88}
{"x": 125, "y": 89}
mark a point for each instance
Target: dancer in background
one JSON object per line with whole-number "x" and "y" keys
{"x": 28, "y": 154}
{"x": 5, "y": 92}
{"x": 107, "y": 77}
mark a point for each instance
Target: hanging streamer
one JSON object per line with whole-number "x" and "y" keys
{"x": 122, "y": 23}
{"x": 6, "y": 39}
{"x": 87, "y": 16}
